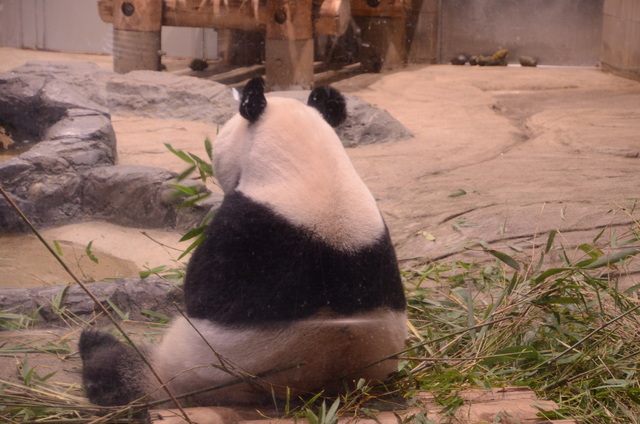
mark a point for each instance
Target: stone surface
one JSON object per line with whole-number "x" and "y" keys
{"x": 142, "y": 93}
{"x": 69, "y": 174}
{"x": 72, "y": 134}
{"x": 162, "y": 95}
{"x": 52, "y": 305}
{"x": 365, "y": 123}
{"x": 136, "y": 195}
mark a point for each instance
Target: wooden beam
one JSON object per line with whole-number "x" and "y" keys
{"x": 332, "y": 18}
{"x": 136, "y": 35}
{"x": 380, "y": 8}
{"x": 289, "y": 45}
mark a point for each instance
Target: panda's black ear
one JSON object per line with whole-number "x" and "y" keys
{"x": 253, "y": 101}
{"x": 330, "y": 103}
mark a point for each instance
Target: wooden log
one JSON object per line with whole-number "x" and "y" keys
{"x": 289, "y": 45}
{"x": 332, "y": 18}
{"x": 241, "y": 48}
{"x": 380, "y": 8}
{"x": 384, "y": 33}
{"x": 136, "y": 35}
{"x": 422, "y": 32}
{"x": 384, "y": 43}
{"x": 138, "y": 15}
{"x": 509, "y": 404}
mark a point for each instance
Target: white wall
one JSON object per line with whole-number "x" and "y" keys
{"x": 75, "y": 26}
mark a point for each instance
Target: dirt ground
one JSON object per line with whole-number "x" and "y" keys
{"x": 502, "y": 155}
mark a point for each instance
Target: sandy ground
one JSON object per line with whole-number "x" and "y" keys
{"x": 522, "y": 150}
{"x": 502, "y": 155}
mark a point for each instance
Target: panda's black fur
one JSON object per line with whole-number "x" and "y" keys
{"x": 297, "y": 272}
{"x": 290, "y": 276}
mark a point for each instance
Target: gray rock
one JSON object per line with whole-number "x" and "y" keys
{"x": 61, "y": 95}
{"x": 528, "y": 61}
{"x": 143, "y": 93}
{"x": 13, "y": 169}
{"x": 69, "y": 174}
{"x": 365, "y": 124}
{"x": 82, "y": 126}
{"x": 162, "y": 95}
{"x": 44, "y": 159}
{"x": 50, "y": 305}
{"x": 129, "y": 195}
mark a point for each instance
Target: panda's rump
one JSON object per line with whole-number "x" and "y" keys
{"x": 318, "y": 353}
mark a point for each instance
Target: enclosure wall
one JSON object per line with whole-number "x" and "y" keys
{"x": 621, "y": 37}
{"x": 557, "y": 32}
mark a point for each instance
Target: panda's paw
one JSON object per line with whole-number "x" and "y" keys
{"x": 111, "y": 370}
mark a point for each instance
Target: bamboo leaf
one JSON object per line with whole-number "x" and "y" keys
{"x": 512, "y": 353}
{"x": 208, "y": 148}
{"x": 179, "y": 153}
{"x": 144, "y": 274}
{"x": 458, "y": 193}
{"x": 191, "y": 191}
{"x": 508, "y": 260}
{"x": 90, "y": 253}
{"x": 58, "y": 248}
{"x": 193, "y": 245}
{"x": 193, "y": 233}
{"x": 550, "y": 239}
{"x": 606, "y": 260}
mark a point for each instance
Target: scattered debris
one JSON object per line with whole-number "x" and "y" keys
{"x": 528, "y": 61}
{"x": 499, "y": 58}
{"x": 198, "y": 65}
{"x": 461, "y": 59}
{"x": 5, "y": 138}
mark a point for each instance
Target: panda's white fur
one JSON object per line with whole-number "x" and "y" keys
{"x": 323, "y": 191}
{"x": 279, "y": 162}
{"x": 306, "y": 352}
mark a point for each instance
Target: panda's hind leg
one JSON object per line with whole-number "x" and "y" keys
{"x": 112, "y": 372}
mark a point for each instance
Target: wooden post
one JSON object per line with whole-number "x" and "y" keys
{"x": 137, "y": 27}
{"x": 423, "y": 32}
{"x": 289, "y": 45}
{"x": 241, "y": 48}
{"x": 383, "y": 31}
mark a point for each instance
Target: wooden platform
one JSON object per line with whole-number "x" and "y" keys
{"x": 507, "y": 405}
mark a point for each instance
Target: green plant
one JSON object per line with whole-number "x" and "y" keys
{"x": 16, "y": 321}
{"x": 192, "y": 194}
{"x": 567, "y": 331}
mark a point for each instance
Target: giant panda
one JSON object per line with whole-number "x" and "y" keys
{"x": 295, "y": 288}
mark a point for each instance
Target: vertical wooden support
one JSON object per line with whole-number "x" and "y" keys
{"x": 383, "y": 43}
{"x": 383, "y": 31}
{"x": 241, "y": 48}
{"x": 422, "y": 32}
{"x": 289, "y": 45}
{"x": 137, "y": 28}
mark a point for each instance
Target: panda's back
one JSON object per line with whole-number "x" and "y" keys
{"x": 256, "y": 268}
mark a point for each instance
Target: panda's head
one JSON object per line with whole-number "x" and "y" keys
{"x": 284, "y": 154}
